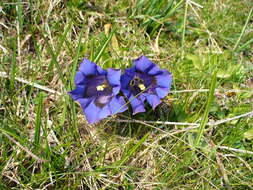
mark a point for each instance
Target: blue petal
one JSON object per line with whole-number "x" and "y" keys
{"x": 162, "y": 92}
{"x": 117, "y": 105}
{"x": 123, "y": 104}
{"x": 115, "y": 90}
{"x": 113, "y": 76}
{"x": 164, "y": 79}
{"x": 92, "y": 112}
{"x": 125, "y": 79}
{"x": 88, "y": 68}
{"x": 143, "y": 64}
{"x": 155, "y": 70}
{"x": 130, "y": 71}
{"x": 137, "y": 105}
{"x": 104, "y": 112}
{"x": 142, "y": 97}
{"x": 79, "y": 78}
{"x": 153, "y": 100}
{"x": 100, "y": 70}
{"x": 77, "y": 92}
{"x": 103, "y": 99}
{"x": 85, "y": 101}
{"x": 126, "y": 92}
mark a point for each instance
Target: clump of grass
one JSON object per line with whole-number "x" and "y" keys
{"x": 45, "y": 142}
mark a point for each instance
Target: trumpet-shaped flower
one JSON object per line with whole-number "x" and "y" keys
{"x": 97, "y": 91}
{"x": 145, "y": 81}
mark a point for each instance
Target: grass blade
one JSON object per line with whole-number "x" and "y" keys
{"x": 243, "y": 46}
{"x": 55, "y": 54}
{"x": 38, "y": 120}
{"x": 103, "y": 46}
{"x": 208, "y": 105}
{"x": 13, "y": 138}
{"x": 244, "y": 28}
{"x": 184, "y": 26}
{"x": 132, "y": 150}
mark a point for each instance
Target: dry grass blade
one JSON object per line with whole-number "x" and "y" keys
{"x": 5, "y": 75}
{"x": 215, "y": 123}
{"x": 155, "y": 122}
{"x": 221, "y": 167}
{"x": 248, "y": 114}
{"x": 235, "y": 150}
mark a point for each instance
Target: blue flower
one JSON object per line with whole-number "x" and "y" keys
{"x": 145, "y": 81}
{"x": 97, "y": 91}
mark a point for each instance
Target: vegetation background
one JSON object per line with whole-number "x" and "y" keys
{"x": 45, "y": 142}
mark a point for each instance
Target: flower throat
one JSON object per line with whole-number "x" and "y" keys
{"x": 137, "y": 82}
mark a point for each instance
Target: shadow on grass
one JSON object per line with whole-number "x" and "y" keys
{"x": 163, "y": 112}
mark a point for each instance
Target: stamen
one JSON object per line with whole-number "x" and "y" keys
{"x": 142, "y": 87}
{"x": 101, "y": 87}
{"x": 132, "y": 82}
{"x": 136, "y": 81}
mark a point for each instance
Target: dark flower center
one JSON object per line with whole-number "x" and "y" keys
{"x": 142, "y": 83}
{"x": 99, "y": 88}
{"x": 138, "y": 83}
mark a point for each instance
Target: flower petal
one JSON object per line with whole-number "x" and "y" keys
{"x": 84, "y": 102}
{"x": 77, "y": 92}
{"x": 130, "y": 71}
{"x": 125, "y": 79}
{"x": 117, "y": 105}
{"x": 143, "y": 64}
{"x": 164, "y": 79}
{"x": 155, "y": 70}
{"x": 102, "y": 99}
{"x": 79, "y": 78}
{"x": 113, "y": 76}
{"x": 92, "y": 112}
{"x": 115, "y": 90}
{"x": 162, "y": 92}
{"x": 153, "y": 100}
{"x": 104, "y": 112}
{"x": 137, "y": 105}
{"x": 100, "y": 70}
{"x": 88, "y": 68}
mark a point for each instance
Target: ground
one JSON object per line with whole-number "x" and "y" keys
{"x": 45, "y": 141}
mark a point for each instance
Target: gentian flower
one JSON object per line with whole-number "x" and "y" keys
{"x": 97, "y": 91}
{"x": 145, "y": 81}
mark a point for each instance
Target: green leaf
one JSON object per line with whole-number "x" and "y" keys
{"x": 225, "y": 73}
{"x": 195, "y": 60}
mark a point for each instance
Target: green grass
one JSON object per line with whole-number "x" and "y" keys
{"x": 45, "y": 142}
